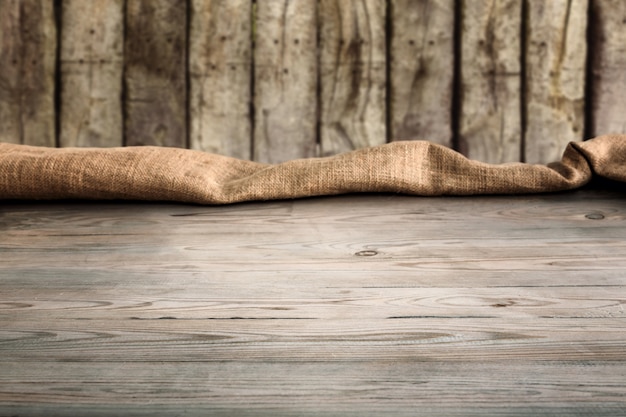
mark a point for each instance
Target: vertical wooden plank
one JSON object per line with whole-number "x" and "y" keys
{"x": 352, "y": 74}
{"x": 220, "y": 67}
{"x": 490, "y": 121}
{"x": 555, "y": 77}
{"x": 422, "y": 70}
{"x": 91, "y": 73}
{"x": 285, "y": 80}
{"x": 608, "y": 60}
{"x": 155, "y": 73}
{"x": 28, "y": 39}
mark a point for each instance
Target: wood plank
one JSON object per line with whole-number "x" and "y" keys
{"x": 422, "y": 70}
{"x": 354, "y": 388}
{"x": 490, "y": 119}
{"x": 91, "y": 73}
{"x": 352, "y": 75}
{"x": 28, "y": 35}
{"x": 144, "y": 300}
{"x": 555, "y": 77}
{"x": 285, "y": 80}
{"x": 220, "y": 66}
{"x": 73, "y": 338}
{"x": 155, "y": 73}
{"x": 608, "y": 60}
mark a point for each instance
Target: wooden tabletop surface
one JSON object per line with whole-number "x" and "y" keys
{"x": 351, "y": 305}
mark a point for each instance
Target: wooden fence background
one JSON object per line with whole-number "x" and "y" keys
{"x": 271, "y": 80}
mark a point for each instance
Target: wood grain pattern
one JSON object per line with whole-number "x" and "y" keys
{"x": 220, "y": 65}
{"x": 285, "y": 80}
{"x": 421, "y": 73}
{"x": 608, "y": 61}
{"x": 351, "y": 388}
{"x": 352, "y": 75}
{"x": 28, "y": 35}
{"x": 155, "y": 62}
{"x": 555, "y": 77}
{"x": 325, "y": 306}
{"x": 91, "y": 73}
{"x": 490, "y": 119}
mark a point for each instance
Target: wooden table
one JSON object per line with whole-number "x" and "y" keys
{"x": 350, "y": 305}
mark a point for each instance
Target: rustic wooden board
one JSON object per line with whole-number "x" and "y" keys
{"x": 325, "y": 306}
{"x": 220, "y": 68}
{"x": 555, "y": 77}
{"x": 490, "y": 119}
{"x": 352, "y": 75}
{"x": 422, "y": 70}
{"x": 608, "y": 60}
{"x": 352, "y": 388}
{"x": 285, "y": 80}
{"x": 155, "y": 68}
{"x": 28, "y": 35}
{"x": 471, "y": 307}
{"x": 91, "y": 73}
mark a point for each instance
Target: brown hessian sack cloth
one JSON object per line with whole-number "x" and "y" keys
{"x": 172, "y": 174}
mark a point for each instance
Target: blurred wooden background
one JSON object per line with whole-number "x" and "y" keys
{"x": 270, "y": 80}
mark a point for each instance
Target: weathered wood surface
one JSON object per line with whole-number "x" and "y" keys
{"x": 490, "y": 126}
{"x": 285, "y": 80}
{"x": 352, "y": 75}
{"x": 556, "y": 58}
{"x": 421, "y": 70}
{"x": 608, "y": 62}
{"x": 274, "y": 80}
{"x": 28, "y": 35}
{"x": 91, "y": 73}
{"x": 220, "y": 68}
{"x": 326, "y": 306}
{"x": 155, "y": 62}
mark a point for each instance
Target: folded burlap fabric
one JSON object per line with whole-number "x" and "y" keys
{"x": 172, "y": 174}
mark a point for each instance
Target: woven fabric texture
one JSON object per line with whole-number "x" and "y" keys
{"x": 172, "y": 174}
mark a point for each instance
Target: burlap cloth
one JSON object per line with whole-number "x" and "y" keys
{"x": 416, "y": 167}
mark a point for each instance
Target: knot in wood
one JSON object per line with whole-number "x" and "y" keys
{"x": 366, "y": 253}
